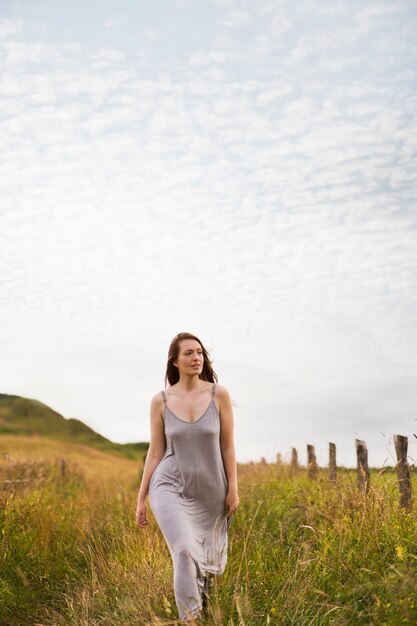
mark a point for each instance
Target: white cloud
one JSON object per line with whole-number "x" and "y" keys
{"x": 235, "y": 19}
{"x": 107, "y": 55}
{"x": 323, "y": 8}
{"x": 10, "y": 27}
{"x": 279, "y": 25}
{"x": 214, "y": 56}
{"x": 151, "y": 35}
{"x": 373, "y": 16}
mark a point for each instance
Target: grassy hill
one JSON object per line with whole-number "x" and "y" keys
{"x": 25, "y": 417}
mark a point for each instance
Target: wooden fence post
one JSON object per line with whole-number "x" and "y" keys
{"x": 294, "y": 459}
{"x": 404, "y": 482}
{"x": 363, "y": 469}
{"x": 332, "y": 462}
{"x": 312, "y": 463}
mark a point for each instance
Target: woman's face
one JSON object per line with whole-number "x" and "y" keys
{"x": 190, "y": 358}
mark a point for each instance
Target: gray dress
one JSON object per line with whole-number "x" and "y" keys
{"x": 187, "y": 494}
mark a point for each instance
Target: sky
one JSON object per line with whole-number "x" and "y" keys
{"x": 241, "y": 170}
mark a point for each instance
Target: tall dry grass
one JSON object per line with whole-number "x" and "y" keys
{"x": 300, "y": 552}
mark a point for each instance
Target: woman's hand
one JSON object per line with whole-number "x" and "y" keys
{"x": 141, "y": 519}
{"x": 232, "y": 502}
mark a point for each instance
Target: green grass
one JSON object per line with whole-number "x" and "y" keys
{"x": 300, "y": 552}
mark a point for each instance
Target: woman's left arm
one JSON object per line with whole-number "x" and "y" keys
{"x": 228, "y": 448}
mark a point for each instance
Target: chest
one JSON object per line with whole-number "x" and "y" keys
{"x": 189, "y": 409}
{"x": 195, "y": 436}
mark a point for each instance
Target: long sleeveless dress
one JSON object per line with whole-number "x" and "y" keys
{"x": 187, "y": 494}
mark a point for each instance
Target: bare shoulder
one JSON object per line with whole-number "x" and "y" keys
{"x": 157, "y": 397}
{"x": 222, "y": 393}
{"x": 224, "y": 400}
{"x": 157, "y": 400}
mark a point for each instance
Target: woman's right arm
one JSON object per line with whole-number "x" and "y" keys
{"x": 155, "y": 453}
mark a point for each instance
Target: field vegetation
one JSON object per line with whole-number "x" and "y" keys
{"x": 301, "y": 552}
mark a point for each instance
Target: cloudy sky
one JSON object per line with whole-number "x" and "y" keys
{"x": 242, "y": 170}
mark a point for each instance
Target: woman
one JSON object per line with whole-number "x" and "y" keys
{"x": 190, "y": 471}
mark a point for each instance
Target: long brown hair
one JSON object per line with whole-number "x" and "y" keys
{"x": 172, "y": 374}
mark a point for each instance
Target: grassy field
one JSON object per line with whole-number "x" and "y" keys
{"x": 300, "y": 552}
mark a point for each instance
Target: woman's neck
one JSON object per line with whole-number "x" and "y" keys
{"x": 188, "y": 384}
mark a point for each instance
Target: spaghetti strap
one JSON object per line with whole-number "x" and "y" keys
{"x": 164, "y": 396}
{"x": 213, "y": 390}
